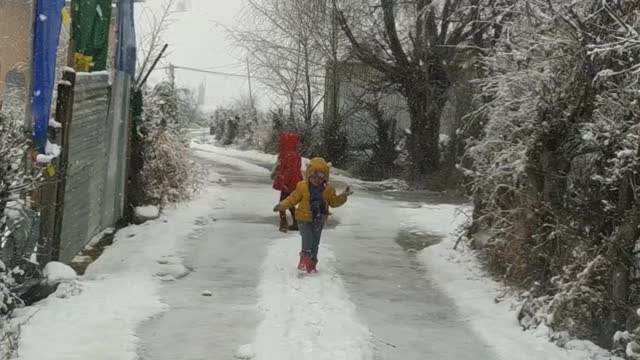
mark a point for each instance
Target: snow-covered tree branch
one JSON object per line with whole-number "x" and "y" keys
{"x": 555, "y": 174}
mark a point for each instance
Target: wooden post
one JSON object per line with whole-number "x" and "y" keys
{"x": 71, "y": 54}
{"x": 47, "y": 198}
{"x": 64, "y": 114}
{"x": 48, "y": 192}
{"x": 140, "y": 84}
{"x": 28, "y": 119}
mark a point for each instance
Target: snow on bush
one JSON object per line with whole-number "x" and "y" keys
{"x": 556, "y": 171}
{"x": 15, "y": 180}
{"x": 247, "y": 128}
{"x": 168, "y": 174}
{"x": 15, "y": 184}
{"x": 8, "y": 302}
{"x": 161, "y": 110}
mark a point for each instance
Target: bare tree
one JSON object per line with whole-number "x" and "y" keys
{"x": 420, "y": 46}
{"x": 288, "y": 50}
{"x": 151, "y": 41}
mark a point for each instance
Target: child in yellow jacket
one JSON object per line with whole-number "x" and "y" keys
{"x": 313, "y": 198}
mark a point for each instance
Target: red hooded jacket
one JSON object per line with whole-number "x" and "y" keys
{"x": 288, "y": 173}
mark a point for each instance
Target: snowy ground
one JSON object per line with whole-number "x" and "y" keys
{"x": 484, "y": 303}
{"x": 95, "y": 317}
{"x": 214, "y": 280}
{"x": 254, "y": 158}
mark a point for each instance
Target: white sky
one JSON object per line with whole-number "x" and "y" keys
{"x": 196, "y": 40}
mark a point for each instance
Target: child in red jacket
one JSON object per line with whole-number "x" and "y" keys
{"x": 287, "y": 173}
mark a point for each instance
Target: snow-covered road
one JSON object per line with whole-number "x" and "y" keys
{"x": 213, "y": 279}
{"x": 371, "y": 299}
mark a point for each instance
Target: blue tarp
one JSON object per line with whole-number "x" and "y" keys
{"x": 126, "y": 57}
{"x": 46, "y": 34}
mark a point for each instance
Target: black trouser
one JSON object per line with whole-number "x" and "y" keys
{"x": 311, "y": 233}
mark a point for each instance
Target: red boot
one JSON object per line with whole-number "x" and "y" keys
{"x": 312, "y": 265}
{"x": 305, "y": 262}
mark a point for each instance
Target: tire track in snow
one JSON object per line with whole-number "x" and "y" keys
{"x": 310, "y": 316}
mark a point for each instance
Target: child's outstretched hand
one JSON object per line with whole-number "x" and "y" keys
{"x": 348, "y": 192}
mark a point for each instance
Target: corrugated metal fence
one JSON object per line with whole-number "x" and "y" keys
{"x": 117, "y": 149}
{"x": 94, "y": 191}
{"x": 82, "y": 192}
{"x": 86, "y": 174}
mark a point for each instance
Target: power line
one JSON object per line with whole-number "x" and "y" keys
{"x": 221, "y": 73}
{"x": 236, "y": 65}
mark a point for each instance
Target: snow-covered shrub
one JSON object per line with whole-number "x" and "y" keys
{"x": 161, "y": 109}
{"x": 167, "y": 174}
{"x": 236, "y": 126}
{"x": 242, "y": 126}
{"x": 15, "y": 183}
{"x": 8, "y": 302}
{"x": 189, "y": 112}
{"x": 556, "y": 170}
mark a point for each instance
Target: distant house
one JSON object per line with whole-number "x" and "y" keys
{"x": 358, "y": 86}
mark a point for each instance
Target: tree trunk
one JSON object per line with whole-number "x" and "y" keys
{"x": 424, "y": 141}
{"x": 619, "y": 253}
{"x": 307, "y": 77}
{"x": 292, "y": 110}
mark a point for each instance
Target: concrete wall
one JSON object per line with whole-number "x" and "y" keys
{"x": 15, "y": 39}
{"x": 15, "y": 56}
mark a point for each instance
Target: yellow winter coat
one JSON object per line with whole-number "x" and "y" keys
{"x": 302, "y": 197}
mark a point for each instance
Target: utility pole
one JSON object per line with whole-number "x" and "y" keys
{"x": 250, "y": 89}
{"x": 172, "y": 77}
